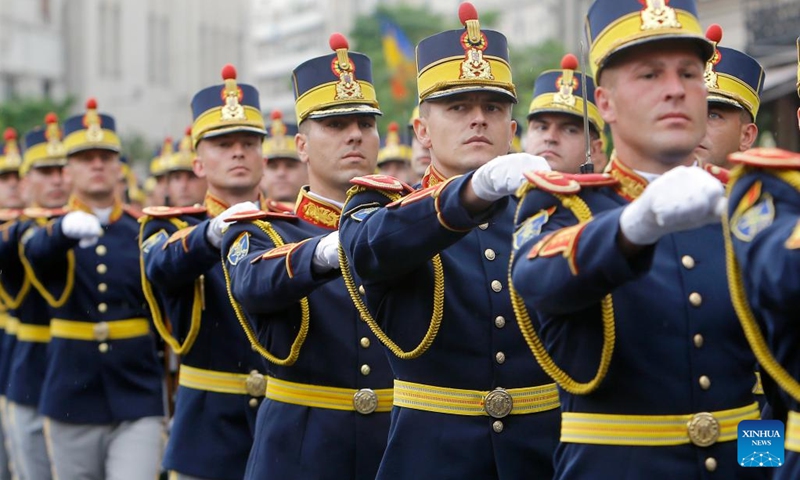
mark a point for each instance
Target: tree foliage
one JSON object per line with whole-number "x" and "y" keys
{"x": 24, "y": 113}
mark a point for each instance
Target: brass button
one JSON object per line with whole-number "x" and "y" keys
{"x": 101, "y": 250}
{"x": 703, "y": 429}
{"x": 500, "y": 321}
{"x": 101, "y": 331}
{"x": 489, "y": 254}
{"x": 497, "y": 426}
{"x": 698, "y": 340}
{"x": 711, "y": 464}
{"x": 365, "y": 401}
{"x": 102, "y": 269}
{"x": 364, "y": 342}
{"x": 688, "y": 262}
{"x": 496, "y": 285}
{"x": 255, "y": 384}
{"x": 483, "y": 226}
{"x": 365, "y": 369}
{"x": 705, "y": 382}
{"x": 102, "y": 308}
{"x": 500, "y": 357}
{"x": 498, "y": 403}
{"x": 361, "y": 290}
{"x": 103, "y": 347}
{"x": 695, "y": 299}
{"x": 253, "y": 402}
{"x": 102, "y": 287}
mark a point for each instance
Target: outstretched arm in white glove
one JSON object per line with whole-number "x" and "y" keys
{"x": 81, "y": 226}
{"x": 326, "y": 254}
{"x": 498, "y": 178}
{"x": 217, "y": 226}
{"x": 682, "y": 199}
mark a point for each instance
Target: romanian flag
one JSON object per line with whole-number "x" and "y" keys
{"x": 399, "y": 54}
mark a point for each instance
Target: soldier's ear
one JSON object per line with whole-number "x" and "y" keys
{"x": 301, "y": 142}
{"x": 605, "y": 104}
{"x": 421, "y": 131}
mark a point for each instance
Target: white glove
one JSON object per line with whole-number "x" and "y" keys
{"x": 503, "y": 175}
{"x": 82, "y": 226}
{"x": 326, "y": 255}
{"x": 682, "y": 199}
{"x": 217, "y": 226}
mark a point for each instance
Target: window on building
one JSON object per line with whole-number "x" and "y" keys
{"x": 47, "y": 88}
{"x": 44, "y": 9}
{"x": 109, "y": 40}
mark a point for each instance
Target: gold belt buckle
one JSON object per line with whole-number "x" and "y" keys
{"x": 703, "y": 429}
{"x": 255, "y": 384}
{"x": 100, "y": 331}
{"x": 498, "y": 403}
{"x": 365, "y": 401}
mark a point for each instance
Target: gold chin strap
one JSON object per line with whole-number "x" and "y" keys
{"x": 305, "y": 315}
{"x": 739, "y": 298}
{"x": 438, "y": 298}
{"x": 579, "y": 208}
{"x": 155, "y": 310}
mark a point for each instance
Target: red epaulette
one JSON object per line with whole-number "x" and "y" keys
{"x": 9, "y": 214}
{"x": 721, "y": 174}
{"x": 767, "y": 158}
{"x": 568, "y": 183}
{"x": 385, "y": 183}
{"x": 171, "y": 212}
{"x": 38, "y": 212}
{"x": 276, "y": 206}
{"x": 250, "y": 215}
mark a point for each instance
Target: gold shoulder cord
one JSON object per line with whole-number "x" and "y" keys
{"x": 438, "y": 298}
{"x": 10, "y": 301}
{"x": 49, "y": 298}
{"x": 751, "y": 329}
{"x": 305, "y": 315}
{"x": 158, "y": 319}
{"x": 579, "y": 208}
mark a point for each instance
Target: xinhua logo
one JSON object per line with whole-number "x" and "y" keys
{"x": 760, "y": 443}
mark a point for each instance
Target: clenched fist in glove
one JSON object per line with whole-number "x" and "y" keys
{"x": 217, "y": 226}
{"x": 81, "y": 226}
{"x": 326, "y": 255}
{"x": 682, "y": 199}
{"x": 503, "y": 175}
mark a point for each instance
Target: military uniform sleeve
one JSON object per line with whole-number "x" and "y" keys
{"x": 765, "y": 230}
{"x": 385, "y": 239}
{"x": 265, "y": 278}
{"x": 563, "y": 266}
{"x": 178, "y": 257}
{"x": 46, "y": 250}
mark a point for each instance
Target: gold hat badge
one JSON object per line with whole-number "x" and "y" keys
{"x": 713, "y": 34}
{"x": 91, "y": 120}
{"x": 343, "y": 68}
{"x": 567, "y": 83}
{"x": 473, "y": 40}
{"x": 657, "y": 15}
{"x": 11, "y": 152}
{"x": 55, "y": 148}
{"x": 231, "y": 95}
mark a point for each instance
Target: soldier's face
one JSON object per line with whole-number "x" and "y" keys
{"x": 337, "y": 149}
{"x": 283, "y": 179}
{"x": 397, "y": 169}
{"x": 420, "y": 156}
{"x": 230, "y": 163}
{"x": 10, "y": 196}
{"x": 465, "y": 131}
{"x": 46, "y": 187}
{"x": 654, "y": 98}
{"x": 559, "y": 138}
{"x": 94, "y": 173}
{"x": 185, "y": 188}
{"x": 728, "y": 130}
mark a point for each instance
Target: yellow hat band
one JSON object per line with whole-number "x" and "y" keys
{"x": 9, "y": 164}
{"x": 733, "y": 88}
{"x": 79, "y": 140}
{"x": 446, "y": 74}
{"x": 40, "y": 154}
{"x": 628, "y": 30}
{"x": 323, "y": 96}
{"x": 210, "y": 120}
{"x": 546, "y": 103}
{"x": 395, "y": 152}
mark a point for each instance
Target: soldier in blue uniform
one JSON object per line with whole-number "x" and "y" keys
{"x": 11, "y": 205}
{"x": 734, "y": 81}
{"x": 326, "y": 413}
{"x": 44, "y": 185}
{"x": 763, "y": 212}
{"x": 221, "y": 381}
{"x": 394, "y": 158}
{"x": 102, "y": 394}
{"x": 621, "y": 270}
{"x": 470, "y": 402}
{"x": 284, "y": 174}
{"x": 555, "y": 119}
{"x": 184, "y": 187}
{"x": 420, "y": 156}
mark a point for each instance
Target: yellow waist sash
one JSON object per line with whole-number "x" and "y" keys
{"x": 253, "y": 384}
{"x": 364, "y": 401}
{"x": 100, "y": 331}
{"x": 33, "y": 333}
{"x": 12, "y": 325}
{"x": 496, "y": 403}
{"x": 702, "y": 429}
{"x": 793, "y": 432}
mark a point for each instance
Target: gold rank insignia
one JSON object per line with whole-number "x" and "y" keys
{"x": 239, "y": 249}
{"x": 474, "y": 43}
{"x": 656, "y": 15}
{"x": 342, "y": 67}
{"x": 754, "y": 213}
